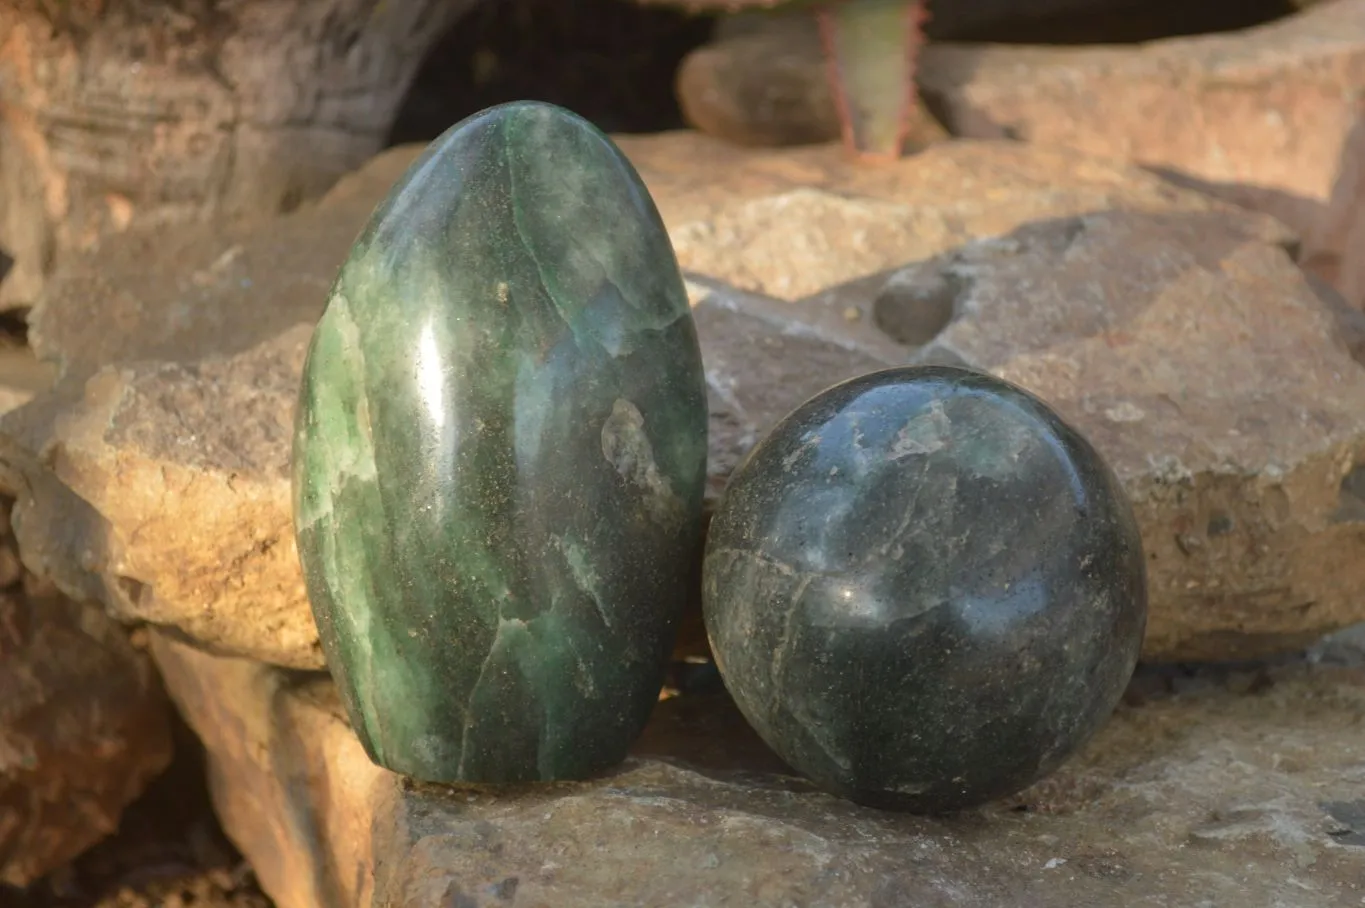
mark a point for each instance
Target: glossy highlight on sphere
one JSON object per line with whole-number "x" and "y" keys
{"x": 924, "y": 589}
{"x": 499, "y": 457}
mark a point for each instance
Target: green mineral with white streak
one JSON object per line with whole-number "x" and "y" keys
{"x": 499, "y": 457}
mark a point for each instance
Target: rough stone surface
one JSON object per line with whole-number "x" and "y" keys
{"x": 760, "y": 362}
{"x": 154, "y": 477}
{"x": 1208, "y": 787}
{"x": 761, "y": 85}
{"x": 1335, "y": 249}
{"x": 1163, "y": 338}
{"x": 84, "y": 726}
{"x": 1257, "y": 116}
{"x": 764, "y": 81}
{"x": 790, "y": 223}
{"x": 179, "y": 400}
{"x": 181, "y": 515}
{"x": 1268, "y": 106}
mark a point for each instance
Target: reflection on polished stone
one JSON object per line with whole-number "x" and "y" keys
{"x": 924, "y": 589}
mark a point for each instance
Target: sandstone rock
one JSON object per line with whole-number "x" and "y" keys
{"x": 1167, "y": 339}
{"x": 84, "y": 727}
{"x": 760, "y": 363}
{"x": 154, "y": 474}
{"x": 117, "y": 115}
{"x": 765, "y": 83}
{"x": 189, "y": 461}
{"x": 1244, "y": 475}
{"x": 1209, "y": 787}
{"x": 1257, "y": 116}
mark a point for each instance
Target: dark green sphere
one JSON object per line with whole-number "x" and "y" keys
{"x": 924, "y": 589}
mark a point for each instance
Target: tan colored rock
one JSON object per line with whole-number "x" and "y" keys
{"x": 792, "y": 222}
{"x": 1206, "y": 788}
{"x": 160, "y": 449}
{"x": 158, "y": 484}
{"x": 84, "y": 727}
{"x": 1165, "y": 337}
{"x": 763, "y": 85}
{"x": 20, "y": 378}
{"x": 155, "y": 474}
{"x": 1257, "y": 116}
{"x": 764, "y": 82}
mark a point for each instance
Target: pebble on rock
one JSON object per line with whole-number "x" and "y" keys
{"x": 924, "y": 589}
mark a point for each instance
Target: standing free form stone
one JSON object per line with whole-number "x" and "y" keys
{"x": 924, "y": 590}
{"x": 499, "y": 457}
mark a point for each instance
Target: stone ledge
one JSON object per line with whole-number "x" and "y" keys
{"x": 1212, "y": 786}
{"x": 153, "y": 478}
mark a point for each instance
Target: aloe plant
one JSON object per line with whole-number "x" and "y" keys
{"x": 871, "y": 47}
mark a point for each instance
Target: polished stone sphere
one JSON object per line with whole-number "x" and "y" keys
{"x": 924, "y": 589}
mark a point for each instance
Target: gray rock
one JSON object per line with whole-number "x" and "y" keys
{"x": 1166, "y": 339}
{"x": 1257, "y": 116}
{"x": 1211, "y": 787}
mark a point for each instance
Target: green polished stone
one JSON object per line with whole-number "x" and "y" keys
{"x": 499, "y": 457}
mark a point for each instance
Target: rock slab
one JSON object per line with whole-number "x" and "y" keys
{"x": 1207, "y": 788}
{"x": 1268, "y": 106}
{"x": 155, "y": 476}
{"x": 115, "y": 117}
{"x": 1258, "y": 115}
